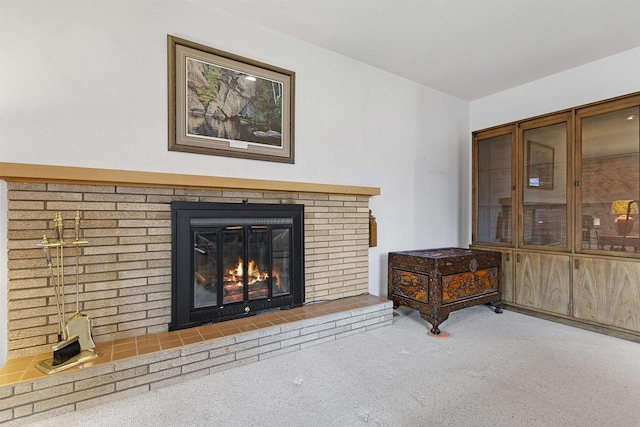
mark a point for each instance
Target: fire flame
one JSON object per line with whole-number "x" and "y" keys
{"x": 237, "y": 272}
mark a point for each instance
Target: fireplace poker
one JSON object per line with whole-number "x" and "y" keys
{"x": 77, "y": 238}
{"x": 46, "y": 247}
{"x": 59, "y": 228}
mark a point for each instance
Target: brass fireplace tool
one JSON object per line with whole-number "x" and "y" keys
{"x": 75, "y": 345}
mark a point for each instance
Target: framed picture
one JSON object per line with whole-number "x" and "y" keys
{"x": 226, "y": 105}
{"x": 539, "y": 166}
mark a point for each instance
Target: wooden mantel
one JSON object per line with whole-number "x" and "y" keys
{"x": 92, "y": 176}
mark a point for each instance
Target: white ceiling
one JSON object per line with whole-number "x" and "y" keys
{"x": 466, "y": 48}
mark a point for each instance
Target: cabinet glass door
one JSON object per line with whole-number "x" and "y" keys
{"x": 609, "y": 188}
{"x": 544, "y": 145}
{"x": 494, "y": 209}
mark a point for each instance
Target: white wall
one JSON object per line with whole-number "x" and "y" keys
{"x": 609, "y": 77}
{"x": 85, "y": 84}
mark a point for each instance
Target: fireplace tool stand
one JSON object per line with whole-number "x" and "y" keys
{"x": 75, "y": 345}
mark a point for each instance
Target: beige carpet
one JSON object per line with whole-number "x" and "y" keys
{"x": 494, "y": 370}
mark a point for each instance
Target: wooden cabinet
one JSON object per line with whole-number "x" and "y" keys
{"x": 543, "y": 282}
{"x": 607, "y": 292}
{"x": 553, "y": 194}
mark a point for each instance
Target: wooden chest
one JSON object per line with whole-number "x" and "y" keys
{"x": 439, "y": 281}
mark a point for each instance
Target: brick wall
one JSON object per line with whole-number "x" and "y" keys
{"x": 125, "y": 270}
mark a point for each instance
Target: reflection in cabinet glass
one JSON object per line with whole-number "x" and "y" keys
{"x": 494, "y": 215}
{"x": 544, "y": 189}
{"x": 610, "y": 143}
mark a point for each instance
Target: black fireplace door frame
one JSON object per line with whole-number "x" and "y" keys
{"x": 183, "y": 312}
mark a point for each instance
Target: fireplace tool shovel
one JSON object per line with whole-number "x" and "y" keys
{"x": 79, "y": 324}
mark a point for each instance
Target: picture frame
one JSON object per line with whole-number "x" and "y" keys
{"x": 540, "y": 166}
{"x": 223, "y": 104}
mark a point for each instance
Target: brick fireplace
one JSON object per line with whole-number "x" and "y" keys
{"x": 125, "y": 270}
{"x": 125, "y": 283}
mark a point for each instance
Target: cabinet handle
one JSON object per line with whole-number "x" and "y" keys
{"x": 507, "y": 256}
{"x": 576, "y": 264}
{"x": 518, "y": 258}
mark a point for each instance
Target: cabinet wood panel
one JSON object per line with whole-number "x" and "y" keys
{"x": 543, "y": 282}
{"x": 607, "y": 292}
{"x": 507, "y": 277}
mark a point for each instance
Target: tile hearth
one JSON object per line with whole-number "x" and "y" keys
{"x": 139, "y": 364}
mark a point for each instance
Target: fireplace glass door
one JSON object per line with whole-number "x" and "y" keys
{"x": 233, "y": 263}
{"x": 245, "y": 261}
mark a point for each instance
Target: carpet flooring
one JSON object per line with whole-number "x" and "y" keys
{"x": 505, "y": 369}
